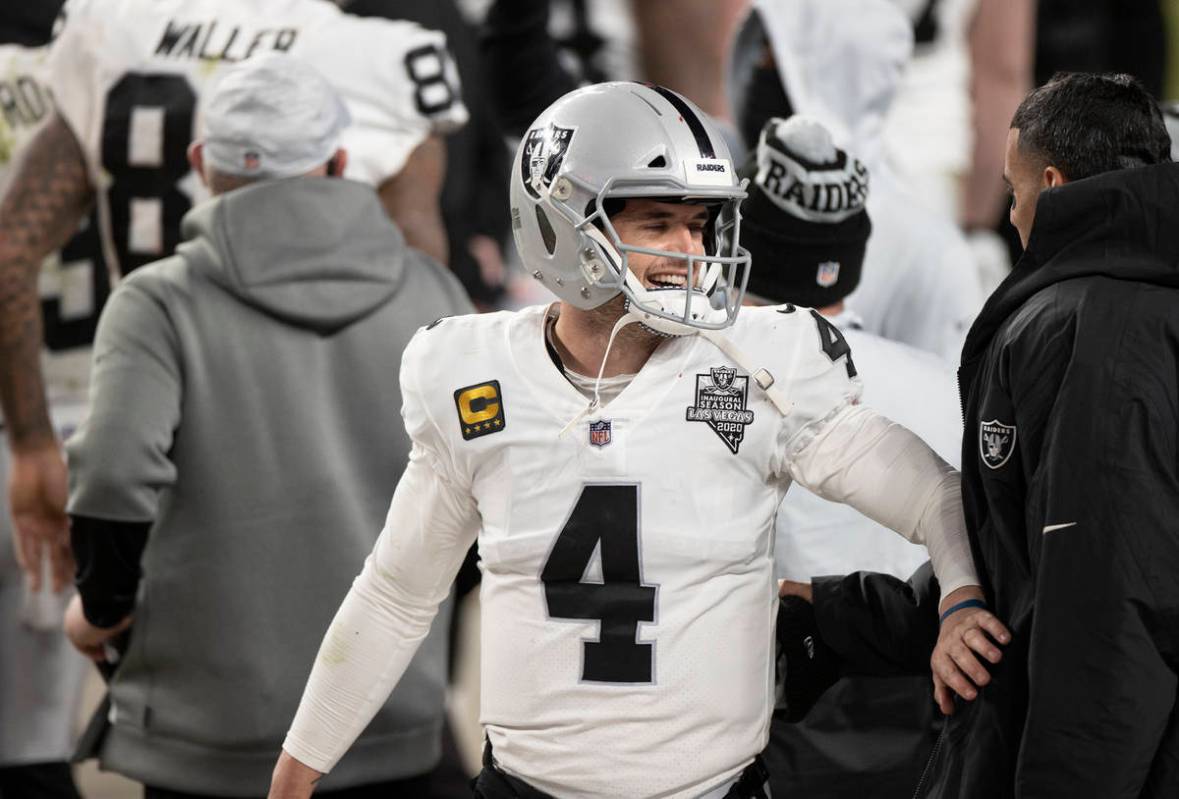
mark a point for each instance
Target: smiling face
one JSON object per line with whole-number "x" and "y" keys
{"x": 673, "y": 226}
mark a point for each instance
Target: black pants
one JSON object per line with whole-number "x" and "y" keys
{"x": 408, "y": 788}
{"x": 495, "y": 784}
{"x": 38, "y": 781}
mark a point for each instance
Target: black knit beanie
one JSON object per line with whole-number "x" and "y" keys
{"x": 804, "y": 220}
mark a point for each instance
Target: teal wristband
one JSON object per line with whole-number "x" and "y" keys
{"x": 966, "y": 603}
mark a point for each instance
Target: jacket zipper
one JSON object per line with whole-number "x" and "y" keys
{"x": 937, "y": 745}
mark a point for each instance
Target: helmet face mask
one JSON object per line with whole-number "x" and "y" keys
{"x": 573, "y": 162}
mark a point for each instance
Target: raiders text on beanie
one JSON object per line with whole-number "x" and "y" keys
{"x": 804, "y": 220}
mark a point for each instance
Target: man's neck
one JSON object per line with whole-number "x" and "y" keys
{"x": 832, "y": 310}
{"x": 581, "y": 338}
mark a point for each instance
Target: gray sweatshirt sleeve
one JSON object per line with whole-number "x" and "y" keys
{"x": 118, "y": 459}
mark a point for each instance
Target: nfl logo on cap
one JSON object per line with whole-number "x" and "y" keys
{"x": 828, "y": 273}
{"x": 599, "y": 433}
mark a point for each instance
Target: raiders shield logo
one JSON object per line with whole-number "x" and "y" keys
{"x": 541, "y": 156}
{"x": 996, "y": 442}
{"x": 721, "y": 398}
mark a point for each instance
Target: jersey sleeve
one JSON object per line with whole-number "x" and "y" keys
{"x": 401, "y": 86}
{"x": 74, "y": 70}
{"x": 813, "y": 367}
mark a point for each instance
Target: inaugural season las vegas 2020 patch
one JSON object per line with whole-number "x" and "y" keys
{"x": 480, "y": 409}
{"x": 721, "y": 397}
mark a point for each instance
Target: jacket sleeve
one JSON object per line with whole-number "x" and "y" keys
{"x": 1101, "y": 510}
{"x": 876, "y": 624}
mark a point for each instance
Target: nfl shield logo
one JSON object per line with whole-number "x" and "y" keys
{"x": 251, "y": 161}
{"x": 828, "y": 273}
{"x": 996, "y": 442}
{"x": 600, "y": 433}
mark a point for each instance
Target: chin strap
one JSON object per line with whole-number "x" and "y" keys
{"x": 761, "y": 376}
{"x": 627, "y": 318}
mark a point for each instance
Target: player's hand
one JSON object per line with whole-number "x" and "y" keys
{"x": 292, "y": 779}
{"x": 965, "y": 636}
{"x": 37, "y": 493}
{"x": 87, "y": 638}
{"x": 791, "y": 588}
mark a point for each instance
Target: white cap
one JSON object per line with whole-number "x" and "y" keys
{"x": 272, "y": 116}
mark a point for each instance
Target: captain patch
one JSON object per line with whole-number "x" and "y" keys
{"x": 480, "y": 409}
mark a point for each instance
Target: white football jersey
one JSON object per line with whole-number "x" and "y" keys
{"x": 73, "y": 283}
{"x": 817, "y": 537}
{"x": 129, "y": 78}
{"x": 628, "y": 596}
{"x": 929, "y": 129}
{"x": 24, "y": 101}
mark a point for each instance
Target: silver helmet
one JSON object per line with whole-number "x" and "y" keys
{"x": 614, "y": 141}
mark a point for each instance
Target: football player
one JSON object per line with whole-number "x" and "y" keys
{"x": 128, "y": 79}
{"x": 620, "y": 456}
{"x": 40, "y": 678}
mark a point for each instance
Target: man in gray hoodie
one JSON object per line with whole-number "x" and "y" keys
{"x": 241, "y": 450}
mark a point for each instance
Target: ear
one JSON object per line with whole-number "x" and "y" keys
{"x": 196, "y": 159}
{"x": 1053, "y": 177}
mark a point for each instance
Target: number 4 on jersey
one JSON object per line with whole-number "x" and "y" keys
{"x": 605, "y": 515}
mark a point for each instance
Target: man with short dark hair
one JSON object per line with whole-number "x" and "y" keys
{"x": 1070, "y": 461}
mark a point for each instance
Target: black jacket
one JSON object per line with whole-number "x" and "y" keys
{"x": 873, "y": 722}
{"x": 1070, "y": 474}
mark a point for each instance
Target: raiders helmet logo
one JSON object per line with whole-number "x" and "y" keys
{"x": 541, "y": 156}
{"x": 996, "y": 442}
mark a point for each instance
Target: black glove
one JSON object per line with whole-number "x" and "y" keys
{"x": 806, "y": 666}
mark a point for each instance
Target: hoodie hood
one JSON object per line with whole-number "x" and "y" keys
{"x": 317, "y": 253}
{"x": 840, "y": 61}
{"x": 1122, "y": 224}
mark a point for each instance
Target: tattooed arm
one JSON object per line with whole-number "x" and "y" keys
{"x": 47, "y": 196}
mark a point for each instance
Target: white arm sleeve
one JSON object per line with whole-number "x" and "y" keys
{"x": 431, "y": 525}
{"x": 891, "y": 476}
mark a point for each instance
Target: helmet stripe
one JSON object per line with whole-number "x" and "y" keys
{"x": 694, "y": 123}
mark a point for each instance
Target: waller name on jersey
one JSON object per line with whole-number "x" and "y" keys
{"x": 201, "y": 40}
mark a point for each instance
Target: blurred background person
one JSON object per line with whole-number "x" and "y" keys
{"x": 40, "y": 674}
{"x": 474, "y": 193}
{"x": 127, "y": 80}
{"x": 866, "y": 736}
{"x": 242, "y": 558}
{"x": 841, "y": 61}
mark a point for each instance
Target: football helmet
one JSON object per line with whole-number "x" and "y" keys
{"x": 612, "y": 141}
